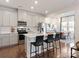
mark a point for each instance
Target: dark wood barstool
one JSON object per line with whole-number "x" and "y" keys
{"x": 37, "y": 44}
{"x": 48, "y": 41}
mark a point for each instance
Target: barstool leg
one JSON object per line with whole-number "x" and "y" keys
{"x": 71, "y": 52}
{"x": 47, "y": 50}
{"x": 56, "y": 47}
{"x": 30, "y": 49}
{"x": 53, "y": 47}
{"x": 42, "y": 49}
{"x": 36, "y": 51}
{"x": 60, "y": 47}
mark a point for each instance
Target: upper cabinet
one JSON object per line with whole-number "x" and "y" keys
{"x": 6, "y": 20}
{"x": 31, "y": 18}
{"x": 8, "y": 17}
{"x": 28, "y": 20}
{"x": 21, "y": 15}
{"x": 13, "y": 18}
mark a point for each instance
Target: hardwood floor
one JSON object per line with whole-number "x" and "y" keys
{"x": 19, "y": 52}
{"x": 12, "y": 52}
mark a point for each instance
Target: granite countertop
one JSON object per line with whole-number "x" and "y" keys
{"x": 34, "y": 34}
{"x": 7, "y": 33}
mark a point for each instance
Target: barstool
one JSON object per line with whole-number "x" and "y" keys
{"x": 48, "y": 41}
{"x": 57, "y": 38}
{"x": 37, "y": 44}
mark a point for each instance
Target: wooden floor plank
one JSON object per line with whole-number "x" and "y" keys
{"x": 19, "y": 52}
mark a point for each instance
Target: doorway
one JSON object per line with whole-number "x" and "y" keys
{"x": 67, "y": 27}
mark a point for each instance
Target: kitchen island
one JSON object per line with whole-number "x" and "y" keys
{"x": 31, "y": 38}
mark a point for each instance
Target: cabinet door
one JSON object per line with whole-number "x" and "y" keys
{"x": 24, "y": 16}
{"x": 21, "y": 15}
{"x": 33, "y": 20}
{"x": 13, "y": 39}
{"x": 6, "y": 40}
{"x": 36, "y": 21}
{"x": 1, "y": 17}
{"x": 13, "y": 19}
{"x": 6, "y": 18}
{"x": 28, "y": 21}
{"x": 0, "y": 40}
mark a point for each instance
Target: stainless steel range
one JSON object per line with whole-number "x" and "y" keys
{"x": 21, "y": 31}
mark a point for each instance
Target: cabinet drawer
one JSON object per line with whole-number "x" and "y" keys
{"x": 13, "y": 39}
{"x": 5, "y": 40}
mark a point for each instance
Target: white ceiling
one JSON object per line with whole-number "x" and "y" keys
{"x": 50, "y": 5}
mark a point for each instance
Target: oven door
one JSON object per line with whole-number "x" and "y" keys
{"x": 21, "y": 38}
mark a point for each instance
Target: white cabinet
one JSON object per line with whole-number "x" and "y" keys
{"x": 13, "y": 18}
{"x": 8, "y": 39}
{"x": 0, "y": 40}
{"x": 36, "y": 21}
{"x": 5, "y": 40}
{"x": 6, "y": 18}
{"x": 13, "y": 38}
{"x": 1, "y": 17}
{"x": 21, "y": 15}
{"x": 24, "y": 16}
{"x": 28, "y": 20}
{"x": 31, "y": 19}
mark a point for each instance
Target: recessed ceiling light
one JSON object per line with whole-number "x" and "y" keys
{"x": 7, "y": 0}
{"x": 46, "y": 11}
{"x": 36, "y": 2}
{"x": 32, "y": 7}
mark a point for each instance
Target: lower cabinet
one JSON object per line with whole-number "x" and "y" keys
{"x": 5, "y": 40}
{"x": 0, "y": 40}
{"x": 13, "y": 39}
{"x": 8, "y": 39}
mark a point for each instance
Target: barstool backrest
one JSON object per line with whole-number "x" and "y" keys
{"x": 57, "y": 36}
{"x": 39, "y": 39}
{"x": 50, "y": 37}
